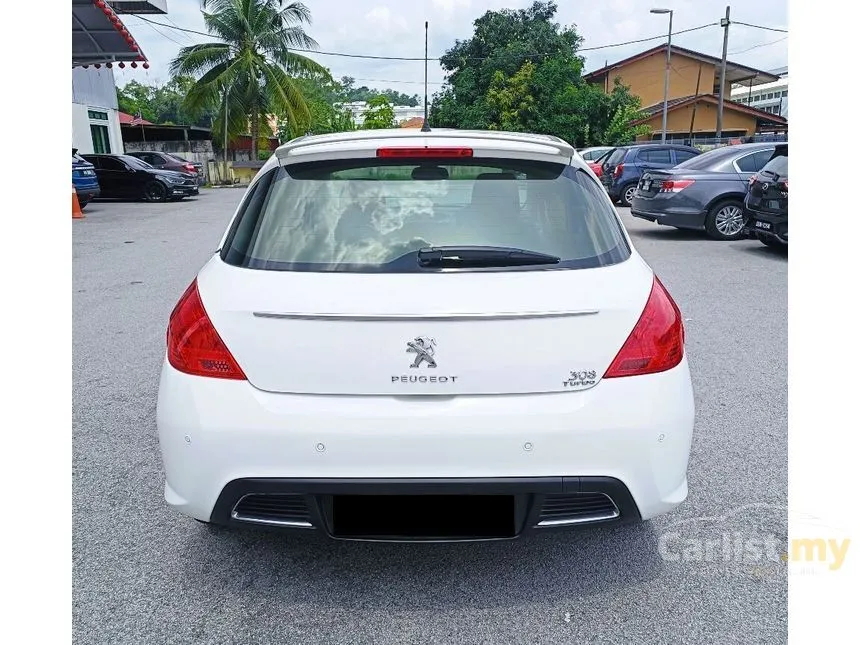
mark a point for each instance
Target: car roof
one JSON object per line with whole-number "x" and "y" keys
{"x": 657, "y": 144}
{"x": 364, "y": 143}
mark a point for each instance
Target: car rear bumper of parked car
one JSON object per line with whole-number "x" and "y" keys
{"x": 329, "y": 449}
{"x": 766, "y": 225}
{"x": 85, "y": 194}
{"x": 677, "y": 217}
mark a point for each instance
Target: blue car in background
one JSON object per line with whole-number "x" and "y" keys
{"x": 84, "y": 179}
{"x": 624, "y": 167}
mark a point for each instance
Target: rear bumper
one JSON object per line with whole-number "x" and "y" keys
{"x": 535, "y": 503}
{"x": 662, "y": 211}
{"x": 766, "y": 225}
{"x": 86, "y": 193}
{"x": 213, "y": 432}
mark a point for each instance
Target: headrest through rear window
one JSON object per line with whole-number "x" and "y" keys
{"x": 496, "y": 194}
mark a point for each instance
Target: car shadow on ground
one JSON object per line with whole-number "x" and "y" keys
{"x": 760, "y": 250}
{"x": 669, "y": 233}
{"x": 266, "y": 566}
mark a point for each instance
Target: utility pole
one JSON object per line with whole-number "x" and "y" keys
{"x": 668, "y": 68}
{"x": 724, "y": 23}
{"x": 695, "y": 104}
{"x": 226, "y": 96}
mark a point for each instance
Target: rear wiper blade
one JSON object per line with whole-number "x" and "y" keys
{"x": 481, "y": 256}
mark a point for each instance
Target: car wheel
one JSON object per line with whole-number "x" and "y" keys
{"x": 627, "y": 195}
{"x": 725, "y": 220}
{"x": 155, "y": 192}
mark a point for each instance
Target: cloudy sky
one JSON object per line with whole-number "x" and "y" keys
{"x": 395, "y": 28}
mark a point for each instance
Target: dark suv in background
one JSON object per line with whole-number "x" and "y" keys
{"x": 624, "y": 167}
{"x": 766, "y": 203}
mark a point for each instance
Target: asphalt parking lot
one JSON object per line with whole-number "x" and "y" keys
{"x": 143, "y": 574}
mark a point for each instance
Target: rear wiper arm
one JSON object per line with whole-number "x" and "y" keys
{"x": 481, "y": 256}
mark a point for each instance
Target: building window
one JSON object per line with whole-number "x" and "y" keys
{"x": 98, "y": 116}
{"x": 101, "y": 140}
{"x": 785, "y": 92}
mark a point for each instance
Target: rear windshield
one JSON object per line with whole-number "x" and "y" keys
{"x": 617, "y": 156}
{"x": 777, "y": 166}
{"x": 134, "y": 162}
{"x": 375, "y": 214}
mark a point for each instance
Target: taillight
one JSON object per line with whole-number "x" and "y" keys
{"x": 190, "y": 168}
{"x": 618, "y": 170}
{"x": 656, "y": 343}
{"x": 783, "y": 186}
{"x": 411, "y": 153}
{"x": 676, "y": 185}
{"x": 193, "y": 345}
{"x": 753, "y": 180}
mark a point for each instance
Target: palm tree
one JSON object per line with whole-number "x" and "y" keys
{"x": 250, "y": 71}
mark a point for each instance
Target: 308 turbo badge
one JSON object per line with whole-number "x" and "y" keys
{"x": 579, "y": 380}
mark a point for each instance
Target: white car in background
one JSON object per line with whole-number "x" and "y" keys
{"x": 595, "y": 153}
{"x": 411, "y": 335}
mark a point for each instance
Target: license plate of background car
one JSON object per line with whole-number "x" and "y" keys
{"x": 763, "y": 225}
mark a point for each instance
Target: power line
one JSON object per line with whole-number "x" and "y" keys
{"x": 382, "y": 80}
{"x": 746, "y": 24}
{"x": 421, "y": 58}
{"x": 644, "y": 40}
{"x": 772, "y": 42}
{"x": 161, "y": 33}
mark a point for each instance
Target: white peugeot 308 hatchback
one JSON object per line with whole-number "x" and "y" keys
{"x": 411, "y": 335}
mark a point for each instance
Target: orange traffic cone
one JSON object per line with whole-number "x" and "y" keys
{"x": 77, "y": 213}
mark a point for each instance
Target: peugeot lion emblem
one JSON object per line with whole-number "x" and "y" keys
{"x": 424, "y": 349}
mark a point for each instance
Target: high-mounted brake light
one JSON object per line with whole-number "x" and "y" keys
{"x": 656, "y": 343}
{"x": 676, "y": 185}
{"x": 193, "y": 345}
{"x": 412, "y": 153}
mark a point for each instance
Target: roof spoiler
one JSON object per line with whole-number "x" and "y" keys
{"x": 562, "y": 148}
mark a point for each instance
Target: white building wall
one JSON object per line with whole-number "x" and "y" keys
{"x": 770, "y": 97}
{"x": 401, "y": 112}
{"x": 94, "y": 89}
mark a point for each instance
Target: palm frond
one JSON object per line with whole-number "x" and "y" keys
{"x": 196, "y": 58}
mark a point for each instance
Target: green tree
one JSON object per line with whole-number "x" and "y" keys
{"x": 521, "y": 71}
{"x": 324, "y": 96}
{"x": 252, "y": 68}
{"x": 136, "y": 97}
{"x": 379, "y": 114}
{"x": 510, "y": 101}
{"x": 364, "y": 93}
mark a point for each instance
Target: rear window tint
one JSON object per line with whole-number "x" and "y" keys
{"x": 374, "y": 215}
{"x": 617, "y": 155}
{"x": 777, "y": 166}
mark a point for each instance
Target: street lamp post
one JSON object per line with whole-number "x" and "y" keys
{"x": 666, "y": 79}
{"x": 226, "y": 113}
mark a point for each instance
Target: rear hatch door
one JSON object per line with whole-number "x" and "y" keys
{"x": 425, "y": 334}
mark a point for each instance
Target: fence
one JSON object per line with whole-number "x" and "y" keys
{"x": 709, "y": 143}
